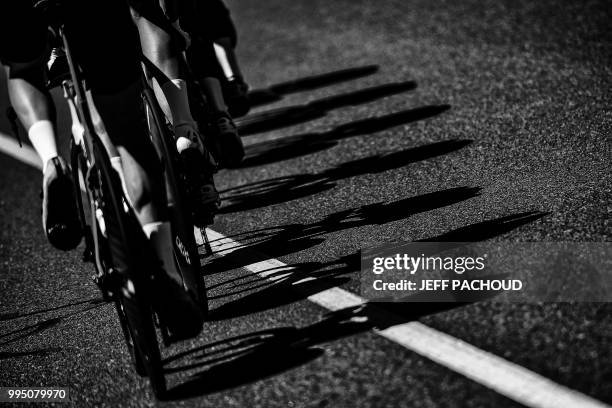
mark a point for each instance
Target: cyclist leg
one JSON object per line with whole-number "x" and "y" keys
{"x": 203, "y": 63}
{"x": 162, "y": 50}
{"x": 23, "y": 48}
{"x": 202, "y": 60}
{"x": 116, "y": 88}
{"x": 222, "y": 31}
{"x": 212, "y": 20}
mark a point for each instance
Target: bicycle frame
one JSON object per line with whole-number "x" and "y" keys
{"x": 121, "y": 251}
{"x": 96, "y": 154}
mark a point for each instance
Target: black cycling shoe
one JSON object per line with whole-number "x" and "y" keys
{"x": 59, "y": 213}
{"x": 176, "y": 309}
{"x": 236, "y": 95}
{"x": 200, "y": 185}
{"x": 227, "y": 140}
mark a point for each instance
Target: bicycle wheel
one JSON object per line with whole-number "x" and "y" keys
{"x": 185, "y": 247}
{"x": 133, "y": 276}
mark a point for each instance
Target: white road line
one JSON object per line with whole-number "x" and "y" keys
{"x": 506, "y": 378}
{"x": 509, "y": 379}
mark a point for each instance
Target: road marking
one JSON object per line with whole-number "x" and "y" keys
{"x": 509, "y": 379}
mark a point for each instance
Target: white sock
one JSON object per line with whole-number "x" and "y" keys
{"x": 182, "y": 143}
{"x": 42, "y": 136}
{"x": 185, "y": 128}
{"x": 160, "y": 235}
{"x": 224, "y": 61}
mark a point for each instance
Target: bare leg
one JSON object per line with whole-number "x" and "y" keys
{"x": 163, "y": 51}
{"x": 120, "y": 113}
{"x": 227, "y": 58}
{"x": 34, "y": 107}
{"x": 170, "y": 90}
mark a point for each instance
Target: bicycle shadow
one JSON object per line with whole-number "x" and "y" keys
{"x": 29, "y": 353}
{"x": 304, "y": 144}
{"x": 250, "y": 357}
{"x": 256, "y": 243}
{"x": 16, "y": 315}
{"x": 281, "y": 275}
{"x": 282, "y": 240}
{"x": 282, "y": 189}
{"x": 40, "y": 326}
{"x": 277, "y": 287}
{"x": 246, "y": 358}
{"x": 274, "y": 93}
{"x": 254, "y": 356}
{"x": 292, "y": 115}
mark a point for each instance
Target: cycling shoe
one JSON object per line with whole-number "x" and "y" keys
{"x": 228, "y": 142}
{"x": 59, "y": 213}
{"x": 236, "y": 94}
{"x": 201, "y": 191}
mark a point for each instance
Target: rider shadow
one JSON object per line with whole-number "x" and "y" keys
{"x": 282, "y": 189}
{"x": 280, "y": 286}
{"x": 274, "y": 93}
{"x": 228, "y": 262}
{"x": 265, "y": 241}
{"x": 289, "y": 116}
{"x": 288, "y": 273}
{"x": 16, "y": 315}
{"x": 29, "y": 353}
{"x": 301, "y": 145}
{"x": 38, "y": 327}
{"x": 291, "y": 283}
{"x": 251, "y": 357}
{"x": 484, "y": 230}
{"x": 254, "y": 356}
{"x": 247, "y": 358}
{"x": 277, "y": 241}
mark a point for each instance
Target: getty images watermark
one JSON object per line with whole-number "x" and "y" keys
{"x": 468, "y": 272}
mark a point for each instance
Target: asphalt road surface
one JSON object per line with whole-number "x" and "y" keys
{"x": 376, "y": 122}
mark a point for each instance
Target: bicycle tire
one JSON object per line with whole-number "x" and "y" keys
{"x": 133, "y": 268}
{"x": 130, "y": 253}
{"x": 185, "y": 248}
{"x": 78, "y": 173}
